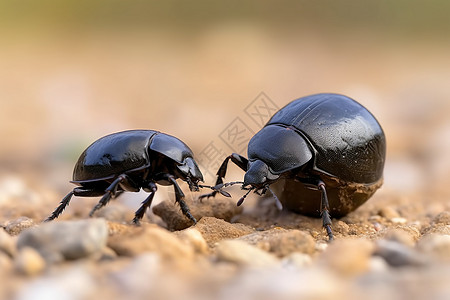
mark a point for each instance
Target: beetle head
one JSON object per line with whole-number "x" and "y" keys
{"x": 258, "y": 179}
{"x": 258, "y": 175}
{"x": 190, "y": 173}
{"x": 273, "y": 152}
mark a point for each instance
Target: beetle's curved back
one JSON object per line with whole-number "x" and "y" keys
{"x": 349, "y": 142}
{"x": 113, "y": 154}
{"x": 170, "y": 147}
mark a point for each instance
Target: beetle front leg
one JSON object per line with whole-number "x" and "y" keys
{"x": 145, "y": 204}
{"x": 78, "y": 191}
{"x": 238, "y": 160}
{"x": 179, "y": 197}
{"x": 62, "y": 205}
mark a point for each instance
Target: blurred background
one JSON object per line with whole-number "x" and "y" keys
{"x": 73, "y": 71}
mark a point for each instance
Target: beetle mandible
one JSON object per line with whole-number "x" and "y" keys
{"x": 131, "y": 160}
{"x": 324, "y": 143}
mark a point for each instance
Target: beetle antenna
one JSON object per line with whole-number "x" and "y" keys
{"x": 233, "y": 183}
{"x": 205, "y": 186}
{"x": 220, "y": 185}
{"x": 277, "y": 201}
{"x": 239, "y": 203}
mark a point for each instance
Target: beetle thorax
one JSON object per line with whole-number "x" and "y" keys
{"x": 190, "y": 172}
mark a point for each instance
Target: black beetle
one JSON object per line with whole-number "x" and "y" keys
{"x": 131, "y": 160}
{"x": 324, "y": 142}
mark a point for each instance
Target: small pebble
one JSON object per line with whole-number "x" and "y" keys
{"x": 442, "y": 218}
{"x": 194, "y": 238}
{"x": 377, "y": 226}
{"x": 139, "y": 277}
{"x": 115, "y": 228}
{"x": 281, "y": 242}
{"x": 296, "y": 260}
{"x": 375, "y": 218}
{"x": 16, "y": 226}
{"x": 73, "y": 283}
{"x": 56, "y": 241}
{"x": 397, "y": 254}
{"x": 6, "y": 263}
{"x": 292, "y": 241}
{"x": 437, "y": 229}
{"x": 378, "y": 264}
{"x": 7, "y": 243}
{"x": 398, "y": 220}
{"x": 285, "y": 284}
{"x": 244, "y": 254}
{"x": 321, "y": 246}
{"x": 14, "y": 190}
{"x": 404, "y": 235}
{"x": 108, "y": 254}
{"x": 436, "y": 245}
{"x": 29, "y": 262}
{"x": 117, "y": 213}
{"x": 151, "y": 239}
{"x": 388, "y": 212}
{"x": 348, "y": 257}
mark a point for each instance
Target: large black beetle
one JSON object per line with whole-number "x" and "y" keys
{"x": 323, "y": 142}
{"x": 131, "y": 160}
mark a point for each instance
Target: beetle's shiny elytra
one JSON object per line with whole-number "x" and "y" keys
{"x": 131, "y": 160}
{"x": 325, "y": 142}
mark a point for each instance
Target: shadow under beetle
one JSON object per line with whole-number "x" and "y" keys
{"x": 131, "y": 160}
{"x": 325, "y": 144}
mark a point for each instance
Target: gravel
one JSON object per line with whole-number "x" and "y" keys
{"x": 66, "y": 240}
{"x": 259, "y": 253}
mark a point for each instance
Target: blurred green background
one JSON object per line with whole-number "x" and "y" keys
{"x": 72, "y": 71}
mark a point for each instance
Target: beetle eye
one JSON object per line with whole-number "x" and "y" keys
{"x": 183, "y": 168}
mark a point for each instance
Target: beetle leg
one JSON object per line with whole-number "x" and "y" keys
{"x": 62, "y": 205}
{"x": 324, "y": 206}
{"x": 324, "y": 210}
{"x": 109, "y": 192}
{"x": 78, "y": 191}
{"x": 278, "y": 203}
{"x": 179, "y": 197}
{"x": 145, "y": 204}
{"x": 238, "y": 160}
{"x": 118, "y": 193}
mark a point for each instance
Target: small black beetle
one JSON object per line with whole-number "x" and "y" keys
{"x": 131, "y": 160}
{"x": 324, "y": 142}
